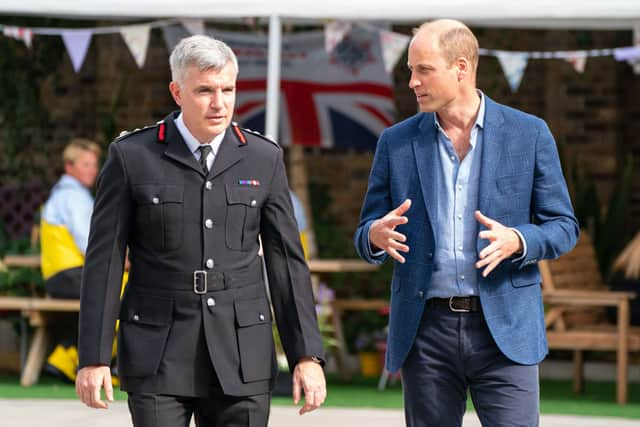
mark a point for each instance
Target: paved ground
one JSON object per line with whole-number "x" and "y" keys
{"x": 69, "y": 413}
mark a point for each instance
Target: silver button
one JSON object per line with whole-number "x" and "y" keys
{"x": 209, "y": 263}
{"x": 155, "y": 200}
{"x": 211, "y": 302}
{"x": 261, "y": 317}
{"x": 253, "y": 203}
{"x": 208, "y": 185}
{"x": 208, "y": 223}
{"x": 459, "y": 248}
{"x": 136, "y": 317}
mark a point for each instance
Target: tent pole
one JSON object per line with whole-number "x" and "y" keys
{"x": 273, "y": 77}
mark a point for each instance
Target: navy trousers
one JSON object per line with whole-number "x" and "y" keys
{"x": 454, "y": 353}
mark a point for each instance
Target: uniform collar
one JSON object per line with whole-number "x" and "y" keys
{"x": 192, "y": 143}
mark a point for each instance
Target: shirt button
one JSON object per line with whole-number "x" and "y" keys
{"x": 209, "y": 263}
{"x": 462, "y": 277}
{"x": 211, "y": 302}
{"x": 459, "y": 187}
{"x": 459, "y": 216}
{"x": 208, "y": 223}
{"x": 460, "y": 248}
{"x": 261, "y": 317}
{"x": 136, "y": 317}
{"x": 208, "y": 185}
{"x": 155, "y": 200}
{"x": 453, "y": 157}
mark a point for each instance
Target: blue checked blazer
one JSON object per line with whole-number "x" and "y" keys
{"x": 521, "y": 186}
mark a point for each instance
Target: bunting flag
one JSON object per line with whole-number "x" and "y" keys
{"x": 578, "y": 61}
{"x": 19, "y": 33}
{"x": 193, "y": 26}
{"x": 393, "y": 46}
{"x": 334, "y": 32}
{"x": 137, "y": 39}
{"x": 77, "y": 43}
{"x": 172, "y": 34}
{"x": 513, "y": 64}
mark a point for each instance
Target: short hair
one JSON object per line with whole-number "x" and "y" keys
{"x": 204, "y": 52}
{"x": 78, "y": 145}
{"x": 455, "y": 42}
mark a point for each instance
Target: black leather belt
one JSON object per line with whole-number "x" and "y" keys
{"x": 457, "y": 304}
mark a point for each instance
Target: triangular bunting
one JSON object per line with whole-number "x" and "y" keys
{"x": 334, "y": 32}
{"x": 172, "y": 34}
{"x": 513, "y": 65}
{"x": 19, "y": 33}
{"x": 77, "y": 43}
{"x": 194, "y": 26}
{"x": 578, "y": 60}
{"x": 137, "y": 39}
{"x": 393, "y": 46}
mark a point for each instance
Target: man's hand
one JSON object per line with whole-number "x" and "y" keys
{"x": 503, "y": 242}
{"x": 309, "y": 377}
{"x": 89, "y": 381}
{"x": 382, "y": 232}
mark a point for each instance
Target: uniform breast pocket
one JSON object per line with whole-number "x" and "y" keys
{"x": 159, "y": 215}
{"x": 243, "y": 216}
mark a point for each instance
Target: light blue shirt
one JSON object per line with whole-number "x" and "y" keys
{"x": 193, "y": 144}
{"x": 456, "y": 228}
{"x": 70, "y": 204}
{"x": 298, "y": 212}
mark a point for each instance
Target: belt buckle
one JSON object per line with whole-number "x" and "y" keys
{"x": 457, "y": 310}
{"x": 200, "y": 278}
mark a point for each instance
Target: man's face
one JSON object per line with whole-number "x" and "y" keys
{"x": 84, "y": 168}
{"x": 434, "y": 82}
{"x": 207, "y": 99}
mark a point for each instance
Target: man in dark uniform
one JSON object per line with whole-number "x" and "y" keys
{"x": 189, "y": 197}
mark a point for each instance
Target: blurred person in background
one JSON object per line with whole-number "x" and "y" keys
{"x": 625, "y": 276}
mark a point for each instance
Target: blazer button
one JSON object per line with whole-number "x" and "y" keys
{"x": 253, "y": 203}
{"x": 208, "y": 185}
{"x": 208, "y": 223}
{"x": 155, "y": 200}
{"x": 136, "y": 317}
{"x": 261, "y": 317}
{"x": 420, "y": 294}
{"x": 209, "y": 263}
{"x": 211, "y": 302}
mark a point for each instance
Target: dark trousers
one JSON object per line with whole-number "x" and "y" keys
{"x": 216, "y": 410}
{"x": 454, "y": 353}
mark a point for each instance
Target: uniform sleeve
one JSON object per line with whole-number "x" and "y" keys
{"x": 289, "y": 278}
{"x": 104, "y": 265}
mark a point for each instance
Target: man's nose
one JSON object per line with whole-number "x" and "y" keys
{"x": 216, "y": 99}
{"x": 413, "y": 82}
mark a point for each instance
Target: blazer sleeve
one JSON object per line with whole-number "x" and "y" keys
{"x": 104, "y": 263}
{"x": 377, "y": 203}
{"x": 288, "y": 273}
{"x": 554, "y": 229}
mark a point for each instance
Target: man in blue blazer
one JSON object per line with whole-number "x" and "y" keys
{"x": 467, "y": 196}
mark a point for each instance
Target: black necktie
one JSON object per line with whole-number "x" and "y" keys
{"x": 204, "y": 153}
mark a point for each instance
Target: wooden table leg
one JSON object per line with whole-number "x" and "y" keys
{"x": 341, "y": 348}
{"x": 35, "y": 358}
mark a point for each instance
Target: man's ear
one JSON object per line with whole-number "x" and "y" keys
{"x": 463, "y": 66}
{"x": 174, "y": 88}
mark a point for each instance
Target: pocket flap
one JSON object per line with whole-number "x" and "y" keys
{"x": 252, "y": 312}
{"x": 246, "y": 195}
{"x": 526, "y": 276}
{"x": 148, "y": 310}
{"x": 153, "y": 194}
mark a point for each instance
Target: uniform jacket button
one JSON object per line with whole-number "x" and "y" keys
{"x": 253, "y": 203}
{"x": 136, "y": 317}
{"x": 155, "y": 200}
{"x": 210, "y": 263}
{"x": 208, "y": 223}
{"x": 261, "y": 317}
{"x": 211, "y": 302}
{"x": 208, "y": 185}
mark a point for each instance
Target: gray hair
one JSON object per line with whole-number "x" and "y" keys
{"x": 204, "y": 52}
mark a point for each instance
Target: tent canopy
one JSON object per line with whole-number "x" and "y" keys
{"x": 573, "y": 14}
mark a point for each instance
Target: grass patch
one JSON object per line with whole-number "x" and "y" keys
{"x": 556, "y": 396}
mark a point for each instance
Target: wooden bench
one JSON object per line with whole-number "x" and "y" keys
{"x": 576, "y": 299}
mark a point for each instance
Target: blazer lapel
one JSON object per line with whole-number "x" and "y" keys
{"x": 176, "y": 147}
{"x": 425, "y": 150}
{"x": 493, "y": 144}
{"x": 231, "y": 151}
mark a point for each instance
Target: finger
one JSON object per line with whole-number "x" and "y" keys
{"x": 392, "y": 221}
{"x": 487, "y": 234}
{"x": 397, "y": 246}
{"x": 296, "y": 389}
{"x": 489, "y": 259}
{"x": 96, "y": 401}
{"x": 400, "y": 210}
{"x": 397, "y": 236}
{"x": 484, "y": 220}
{"x": 490, "y": 267}
{"x": 108, "y": 387}
{"x": 489, "y": 249}
{"x": 395, "y": 255}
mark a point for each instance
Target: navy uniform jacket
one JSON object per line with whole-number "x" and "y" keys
{"x": 180, "y": 224}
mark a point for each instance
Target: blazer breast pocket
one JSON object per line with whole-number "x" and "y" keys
{"x": 159, "y": 215}
{"x": 255, "y": 339}
{"x": 145, "y": 321}
{"x": 243, "y": 216}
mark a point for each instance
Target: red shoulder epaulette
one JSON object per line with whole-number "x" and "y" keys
{"x": 162, "y": 132}
{"x": 238, "y": 133}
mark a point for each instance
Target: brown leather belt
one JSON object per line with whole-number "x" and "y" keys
{"x": 457, "y": 304}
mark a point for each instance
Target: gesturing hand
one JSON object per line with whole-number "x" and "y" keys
{"x": 89, "y": 381}
{"x": 308, "y": 377}
{"x": 503, "y": 242}
{"x": 382, "y": 232}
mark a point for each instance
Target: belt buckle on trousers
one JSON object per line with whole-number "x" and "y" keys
{"x": 456, "y": 309}
{"x": 200, "y": 282}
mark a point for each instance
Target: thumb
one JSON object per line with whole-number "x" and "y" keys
{"x": 484, "y": 220}
{"x": 400, "y": 210}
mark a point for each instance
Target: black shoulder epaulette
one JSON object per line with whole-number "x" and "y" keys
{"x": 127, "y": 133}
{"x": 252, "y": 132}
